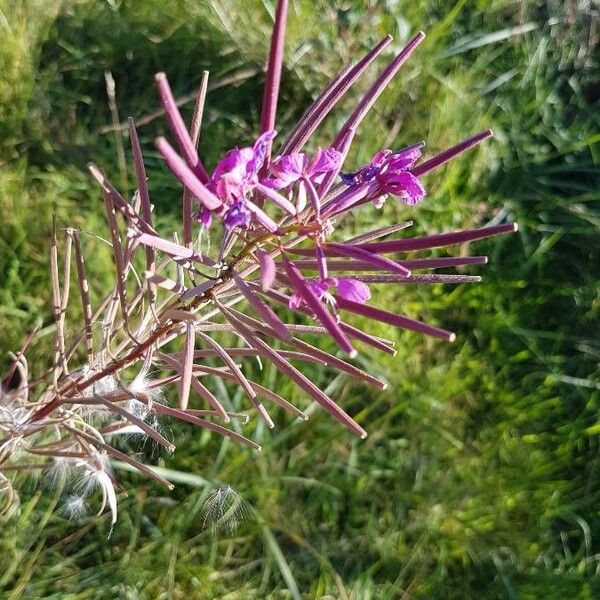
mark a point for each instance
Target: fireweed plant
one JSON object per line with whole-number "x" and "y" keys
{"x": 271, "y": 210}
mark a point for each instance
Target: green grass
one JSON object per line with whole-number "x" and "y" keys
{"x": 481, "y": 474}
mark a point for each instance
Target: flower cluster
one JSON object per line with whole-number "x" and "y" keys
{"x": 391, "y": 173}
{"x": 275, "y": 217}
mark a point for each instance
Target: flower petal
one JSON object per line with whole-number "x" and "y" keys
{"x": 261, "y": 149}
{"x": 238, "y": 216}
{"x": 289, "y": 168}
{"x": 325, "y": 161}
{"x": 235, "y": 162}
{"x": 352, "y": 289}
{"x": 403, "y": 159}
{"x": 406, "y": 186}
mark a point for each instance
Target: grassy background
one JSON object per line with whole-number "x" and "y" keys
{"x": 481, "y": 474}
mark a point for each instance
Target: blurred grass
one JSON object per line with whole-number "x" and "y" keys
{"x": 480, "y": 477}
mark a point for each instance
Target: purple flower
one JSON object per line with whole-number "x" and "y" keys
{"x": 234, "y": 179}
{"x": 236, "y": 174}
{"x": 321, "y": 291}
{"x": 352, "y": 289}
{"x": 404, "y": 185}
{"x": 391, "y": 171}
{"x": 238, "y": 216}
{"x": 367, "y": 172}
{"x": 292, "y": 167}
{"x": 347, "y": 288}
{"x": 205, "y": 217}
{"x": 236, "y": 192}
{"x": 261, "y": 149}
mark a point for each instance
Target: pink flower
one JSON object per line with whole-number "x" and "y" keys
{"x": 205, "y": 217}
{"x": 321, "y": 291}
{"x": 236, "y": 174}
{"x": 392, "y": 172}
{"x": 234, "y": 179}
{"x": 238, "y": 216}
{"x": 404, "y": 185}
{"x": 292, "y": 167}
{"x": 352, "y": 289}
{"x": 347, "y": 288}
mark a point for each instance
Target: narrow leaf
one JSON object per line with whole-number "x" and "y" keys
{"x": 396, "y": 320}
{"x": 359, "y": 253}
{"x": 447, "y": 155}
{"x": 262, "y": 309}
{"x": 295, "y": 375}
{"x": 187, "y": 365}
{"x": 183, "y": 172}
{"x": 184, "y": 141}
{"x": 271, "y": 93}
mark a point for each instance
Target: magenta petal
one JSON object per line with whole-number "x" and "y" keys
{"x": 403, "y": 159}
{"x": 274, "y": 183}
{"x": 262, "y": 140}
{"x": 330, "y": 177}
{"x": 380, "y": 157}
{"x": 325, "y": 161}
{"x": 235, "y": 163}
{"x": 354, "y": 290}
{"x": 289, "y": 167}
{"x": 261, "y": 150}
{"x": 205, "y": 217}
{"x": 406, "y": 186}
